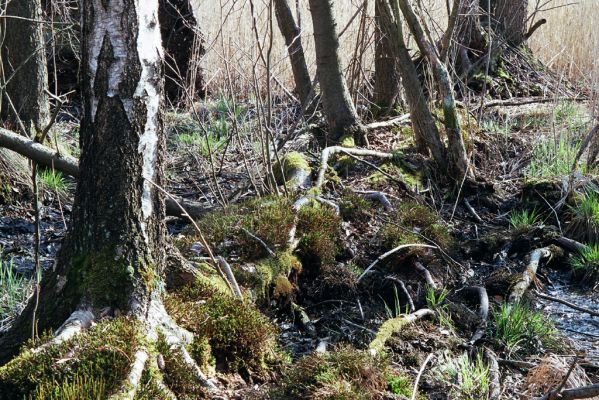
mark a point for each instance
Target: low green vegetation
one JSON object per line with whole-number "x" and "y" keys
{"x": 552, "y": 158}
{"x": 468, "y": 379}
{"x": 319, "y": 230}
{"x": 227, "y": 331}
{"x": 524, "y": 220}
{"x": 14, "y": 292}
{"x": 585, "y": 265}
{"x": 584, "y": 223}
{"x": 53, "y": 180}
{"x": 435, "y": 300}
{"x": 345, "y": 373}
{"x": 409, "y": 218}
{"x": 91, "y": 365}
{"x": 523, "y": 330}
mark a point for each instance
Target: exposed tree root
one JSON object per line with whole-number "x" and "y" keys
{"x": 390, "y": 252}
{"x": 404, "y": 290}
{"x": 68, "y": 165}
{"x": 529, "y": 274}
{"x": 428, "y": 277}
{"x": 230, "y": 277}
{"x": 78, "y": 321}
{"x": 483, "y": 312}
{"x": 392, "y": 123}
{"x": 379, "y": 197}
{"x": 132, "y": 382}
{"x": 329, "y": 151}
{"x": 393, "y": 326}
{"x": 570, "y": 245}
{"x": 494, "y": 375}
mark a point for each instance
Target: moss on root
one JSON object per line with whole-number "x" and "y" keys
{"x": 293, "y": 166}
{"x": 96, "y": 361}
{"x": 238, "y": 335}
{"x": 345, "y": 373}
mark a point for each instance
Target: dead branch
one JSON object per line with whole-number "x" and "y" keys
{"x": 427, "y": 275}
{"x": 230, "y": 277}
{"x": 570, "y": 245}
{"x": 329, "y": 151}
{"x": 529, "y": 274}
{"x": 483, "y": 312}
{"x": 404, "y": 290}
{"x": 530, "y": 100}
{"x": 566, "y": 303}
{"x": 472, "y": 211}
{"x": 377, "y": 196}
{"x": 390, "y": 252}
{"x": 420, "y": 372}
{"x": 257, "y": 239}
{"x": 583, "y": 392}
{"x": 68, "y": 165}
{"x": 392, "y": 123}
{"x": 494, "y": 375}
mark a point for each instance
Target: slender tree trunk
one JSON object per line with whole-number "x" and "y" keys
{"x": 426, "y": 133}
{"x": 113, "y": 253}
{"x": 292, "y": 35}
{"x": 24, "y": 64}
{"x": 458, "y": 162}
{"x": 387, "y": 81}
{"x": 338, "y": 106}
{"x": 181, "y": 41}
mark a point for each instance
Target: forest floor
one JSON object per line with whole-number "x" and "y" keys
{"x": 330, "y": 311}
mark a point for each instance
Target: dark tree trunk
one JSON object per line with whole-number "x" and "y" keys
{"x": 24, "y": 64}
{"x": 510, "y": 17}
{"x": 387, "y": 81}
{"x": 183, "y": 49}
{"x": 426, "y": 133}
{"x": 338, "y": 106}
{"x": 114, "y": 249}
{"x": 293, "y": 41}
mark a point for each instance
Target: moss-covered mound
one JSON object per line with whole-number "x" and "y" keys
{"x": 231, "y": 331}
{"x": 92, "y": 365}
{"x": 346, "y": 373}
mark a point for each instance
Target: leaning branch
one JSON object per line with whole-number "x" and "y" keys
{"x": 68, "y": 165}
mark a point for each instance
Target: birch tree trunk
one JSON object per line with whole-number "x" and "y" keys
{"x": 113, "y": 253}
{"x": 24, "y": 64}
{"x": 292, "y": 35}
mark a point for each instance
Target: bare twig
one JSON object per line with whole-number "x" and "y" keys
{"x": 390, "y": 252}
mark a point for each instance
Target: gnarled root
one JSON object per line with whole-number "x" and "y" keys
{"x": 79, "y": 320}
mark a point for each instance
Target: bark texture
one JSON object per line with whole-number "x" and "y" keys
{"x": 183, "y": 49}
{"x": 387, "y": 80}
{"x": 24, "y": 64}
{"x": 510, "y": 17}
{"x": 338, "y": 106}
{"x": 112, "y": 254}
{"x": 292, "y": 35}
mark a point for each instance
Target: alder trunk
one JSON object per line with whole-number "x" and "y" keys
{"x": 338, "y": 106}
{"x": 24, "y": 64}
{"x": 113, "y": 253}
{"x": 387, "y": 80}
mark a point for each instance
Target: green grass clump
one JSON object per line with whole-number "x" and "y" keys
{"x": 552, "y": 158}
{"x": 584, "y": 224}
{"x": 53, "y": 180}
{"x": 345, "y": 373}
{"x": 413, "y": 217}
{"x": 14, "y": 292}
{"x": 239, "y": 336}
{"x": 469, "y": 379}
{"x": 524, "y": 220}
{"x": 319, "y": 230}
{"x": 585, "y": 265}
{"x": 524, "y": 331}
{"x": 96, "y": 361}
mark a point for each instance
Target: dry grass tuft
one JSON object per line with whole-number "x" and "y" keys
{"x": 549, "y": 374}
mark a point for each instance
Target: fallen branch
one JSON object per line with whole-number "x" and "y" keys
{"x": 50, "y": 158}
{"x": 472, "y": 211}
{"x": 257, "y": 239}
{"x": 483, "y": 312}
{"x": 570, "y": 245}
{"x": 420, "y": 372}
{"x": 530, "y": 100}
{"x": 378, "y": 196}
{"x": 428, "y": 277}
{"x": 329, "y": 151}
{"x": 529, "y": 274}
{"x": 230, "y": 277}
{"x": 583, "y": 392}
{"x": 392, "y": 123}
{"x": 567, "y": 303}
{"x": 393, "y": 326}
{"x": 390, "y": 252}
{"x": 494, "y": 375}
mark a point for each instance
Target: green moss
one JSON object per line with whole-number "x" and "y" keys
{"x": 396, "y": 169}
{"x": 268, "y": 271}
{"x": 345, "y": 373}
{"x": 269, "y": 218}
{"x": 149, "y": 388}
{"x": 387, "y": 329}
{"x": 292, "y": 162}
{"x": 412, "y": 216}
{"x": 319, "y": 229}
{"x": 355, "y": 208}
{"x": 97, "y": 361}
{"x": 238, "y": 334}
